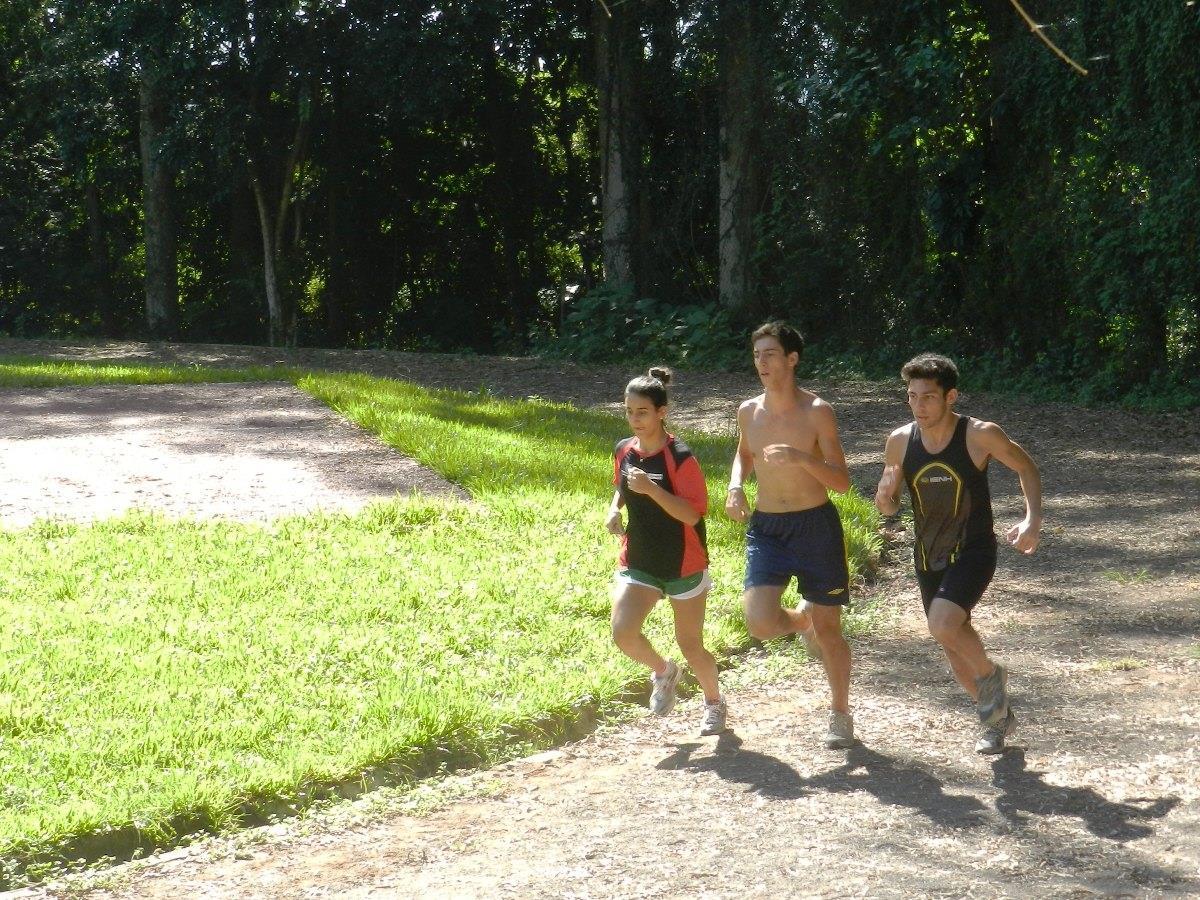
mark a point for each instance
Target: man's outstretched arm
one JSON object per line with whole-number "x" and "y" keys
{"x": 1026, "y": 534}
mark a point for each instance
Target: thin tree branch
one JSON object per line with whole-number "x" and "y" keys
{"x": 1041, "y": 33}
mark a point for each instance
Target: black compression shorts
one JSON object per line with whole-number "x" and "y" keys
{"x": 964, "y": 580}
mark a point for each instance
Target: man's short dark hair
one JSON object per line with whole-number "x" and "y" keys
{"x": 789, "y": 338}
{"x": 934, "y": 367}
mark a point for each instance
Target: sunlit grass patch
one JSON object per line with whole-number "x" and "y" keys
{"x": 1123, "y": 664}
{"x": 1138, "y": 576}
{"x": 27, "y": 371}
{"x": 493, "y": 445}
{"x": 152, "y": 669}
{"x": 172, "y": 674}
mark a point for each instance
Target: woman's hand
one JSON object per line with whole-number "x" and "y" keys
{"x": 639, "y": 482}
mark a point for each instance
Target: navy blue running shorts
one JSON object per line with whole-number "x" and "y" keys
{"x": 964, "y": 580}
{"x": 808, "y": 545}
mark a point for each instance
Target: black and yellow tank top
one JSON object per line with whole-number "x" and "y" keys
{"x": 952, "y": 505}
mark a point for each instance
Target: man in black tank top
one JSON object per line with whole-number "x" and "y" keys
{"x": 943, "y": 457}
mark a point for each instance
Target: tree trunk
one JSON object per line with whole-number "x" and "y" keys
{"x": 334, "y": 295}
{"x": 660, "y": 112}
{"x": 243, "y": 278}
{"x": 273, "y": 213}
{"x": 336, "y": 289}
{"x": 277, "y": 335}
{"x": 99, "y": 271}
{"x": 615, "y": 46}
{"x": 158, "y": 186}
{"x": 575, "y": 176}
{"x": 508, "y": 114}
{"x": 742, "y": 106}
{"x": 1005, "y": 197}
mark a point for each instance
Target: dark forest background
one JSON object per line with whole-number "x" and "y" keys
{"x": 627, "y": 178}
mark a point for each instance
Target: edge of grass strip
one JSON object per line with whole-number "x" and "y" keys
{"x": 35, "y": 372}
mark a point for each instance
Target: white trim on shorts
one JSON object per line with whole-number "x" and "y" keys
{"x": 704, "y": 585}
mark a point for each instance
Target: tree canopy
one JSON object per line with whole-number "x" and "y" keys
{"x": 499, "y": 174}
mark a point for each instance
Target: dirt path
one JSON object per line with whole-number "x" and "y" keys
{"x": 242, "y": 451}
{"x": 1101, "y": 795}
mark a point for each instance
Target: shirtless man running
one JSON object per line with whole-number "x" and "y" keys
{"x": 943, "y": 458}
{"x": 788, "y": 437}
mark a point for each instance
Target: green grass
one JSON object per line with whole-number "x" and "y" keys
{"x": 1132, "y": 577}
{"x": 1123, "y": 664}
{"x": 173, "y": 674}
{"x": 31, "y": 372}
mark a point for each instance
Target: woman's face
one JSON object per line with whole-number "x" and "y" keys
{"x": 644, "y": 418}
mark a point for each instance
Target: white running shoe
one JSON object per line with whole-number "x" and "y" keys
{"x": 662, "y": 689}
{"x": 841, "y": 731}
{"x": 714, "y": 718}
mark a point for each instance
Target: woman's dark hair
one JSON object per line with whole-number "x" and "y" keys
{"x": 652, "y": 385}
{"x": 934, "y": 367}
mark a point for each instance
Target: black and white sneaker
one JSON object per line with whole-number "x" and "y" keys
{"x": 993, "y": 696}
{"x": 992, "y": 739}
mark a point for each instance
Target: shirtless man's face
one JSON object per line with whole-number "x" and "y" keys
{"x": 930, "y": 404}
{"x": 775, "y": 368}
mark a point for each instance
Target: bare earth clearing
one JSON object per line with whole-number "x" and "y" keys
{"x": 241, "y": 451}
{"x": 1100, "y": 795}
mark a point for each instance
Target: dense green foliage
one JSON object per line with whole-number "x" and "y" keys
{"x": 175, "y": 675}
{"x": 928, "y": 175}
{"x": 610, "y": 324}
{"x": 976, "y": 195}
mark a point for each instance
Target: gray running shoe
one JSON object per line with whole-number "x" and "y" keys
{"x": 993, "y": 696}
{"x": 662, "y": 689}
{"x": 992, "y": 738}
{"x": 841, "y": 731}
{"x": 714, "y": 718}
{"x": 811, "y": 645}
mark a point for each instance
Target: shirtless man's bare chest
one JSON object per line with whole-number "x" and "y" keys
{"x": 790, "y": 442}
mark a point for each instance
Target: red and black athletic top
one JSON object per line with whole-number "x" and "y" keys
{"x": 654, "y": 542}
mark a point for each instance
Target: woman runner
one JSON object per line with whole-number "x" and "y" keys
{"x": 663, "y": 549}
